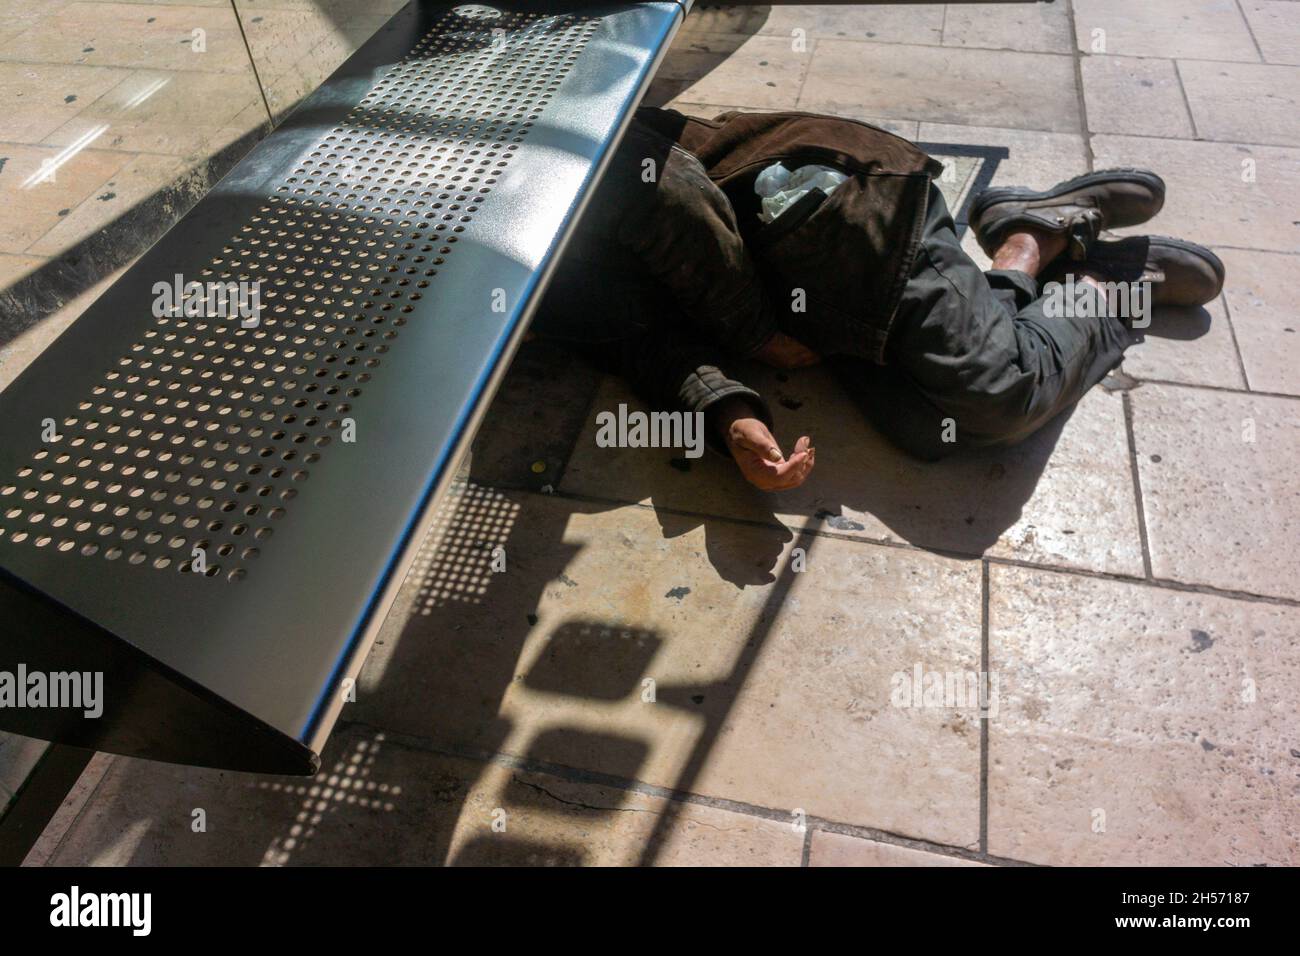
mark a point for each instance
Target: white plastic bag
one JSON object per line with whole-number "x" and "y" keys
{"x": 780, "y": 189}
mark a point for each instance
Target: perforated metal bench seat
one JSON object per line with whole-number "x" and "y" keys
{"x": 402, "y": 223}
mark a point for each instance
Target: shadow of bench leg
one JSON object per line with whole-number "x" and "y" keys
{"x": 41, "y": 796}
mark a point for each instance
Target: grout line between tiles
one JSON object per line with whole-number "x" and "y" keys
{"x": 1291, "y": 147}
{"x": 252, "y": 63}
{"x": 1250, "y": 30}
{"x": 1270, "y": 252}
{"x": 1187, "y": 102}
{"x": 1077, "y": 55}
{"x": 1219, "y": 388}
{"x": 1236, "y": 346}
{"x": 1137, "y": 485}
{"x": 1116, "y": 576}
{"x": 597, "y": 778}
{"x": 803, "y": 74}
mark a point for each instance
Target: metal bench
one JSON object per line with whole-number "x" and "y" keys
{"x": 215, "y": 509}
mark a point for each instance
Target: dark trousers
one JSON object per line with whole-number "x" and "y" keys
{"x": 974, "y": 357}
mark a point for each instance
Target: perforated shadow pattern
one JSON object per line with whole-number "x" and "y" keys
{"x": 455, "y": 562}
{"x": 201, "y": 435}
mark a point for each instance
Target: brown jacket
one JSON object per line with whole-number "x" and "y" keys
{"x": 848, "y": 253}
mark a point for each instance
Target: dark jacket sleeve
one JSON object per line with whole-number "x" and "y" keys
{"x": 670, "y": 369}
{"x": 658, "y": 204}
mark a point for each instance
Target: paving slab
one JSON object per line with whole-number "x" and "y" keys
{"x": 178, "y": 114}
{"x": 970, "y": 245}
{"x": 960, "y": 176}
{"x": 943, "y": 85}
{"x": 135, "y": 182}
{"x": 40, "y": 97}
{"x": 378, "y": 802}
{"x": 23, "y": 15}
{"x": 1244, "y": 102}
{"x": 838, "y": 849}
{"x": 1029, "y": 27}
{"x": 1262, "y": 290}
{"x": 1218, "y": 487}
{"x": 297, "y": 47}
{"x": 1135, "y": 95}
{"x": 1035, "y": 159}
{"x": 905, "y": 128}
{"x": 535, "y": 418}
{"x": 42, "y": 184}
{"x": 279, "y": 37}
{"x": 1189, "y": 345}
{"x": 722, "y": 19}
{"x": 904, "y": 23}
{"x": 1220, "y": 194}
{"x": 155, "y": 3}
{"x": 1064, "y": 497}
{"x": 1194, "y": 29}
{"x": 156, "y": 35}
{"x": 688, "y": 653}
{"x": 549, "y": 820}
{"x": 1276, "y": 27}
{"x": 1140, "y": 726}
{"x": 122, "y": 216}
{"x": 754, "y": 72}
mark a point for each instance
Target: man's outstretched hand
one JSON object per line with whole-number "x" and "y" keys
{"x": 756, "y": 452}
{"x": 782, "y": 351}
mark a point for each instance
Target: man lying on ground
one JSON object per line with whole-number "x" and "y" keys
{"x": 680, "y": 268}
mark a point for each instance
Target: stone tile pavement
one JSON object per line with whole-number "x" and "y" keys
{"x": 674, "y": 669}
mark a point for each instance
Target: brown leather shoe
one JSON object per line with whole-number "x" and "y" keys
{"x": 1180, "y": 272}
{"x": 1079, "y": 208}
{"x": 1177, "y": 272}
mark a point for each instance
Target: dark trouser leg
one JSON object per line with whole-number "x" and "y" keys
{"x": 975, "y": 358}
{"x": 895, "y": 406}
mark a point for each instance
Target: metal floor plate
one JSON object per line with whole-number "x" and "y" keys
{"x": 399, "y": 226}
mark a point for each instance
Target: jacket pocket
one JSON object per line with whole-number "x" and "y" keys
{"x": 790, "y": 219}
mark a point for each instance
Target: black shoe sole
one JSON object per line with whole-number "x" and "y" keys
{"x": 1196, "y": 249}
{"x": 1201, "y": 253}
{"x": 1120, "y": 174}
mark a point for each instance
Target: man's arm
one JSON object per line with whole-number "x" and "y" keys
{"x": 671, "y": 369}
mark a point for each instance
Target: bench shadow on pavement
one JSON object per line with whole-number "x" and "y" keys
{"x": 446, "y": 675}
{"x": 407, "y": 777}
{"x": 410, "y": 776}
{"x": 443, "y": 674}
